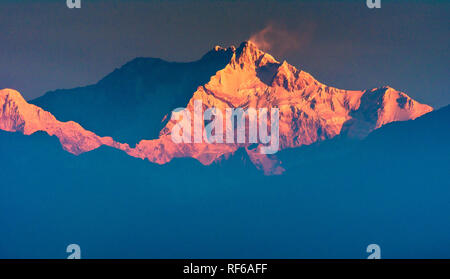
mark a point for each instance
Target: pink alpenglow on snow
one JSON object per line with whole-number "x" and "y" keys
{"x": 233, "y": 126}
{"x": 308, "y": 112}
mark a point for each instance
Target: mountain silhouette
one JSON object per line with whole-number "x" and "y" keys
{"x": 335, "y": 198}
{"x": 130, "y": 103}
{"x": 135, "y": 102}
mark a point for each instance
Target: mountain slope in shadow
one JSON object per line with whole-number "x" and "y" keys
{"x": 340, "y": 196}
{"x": 135, "y": 103}
{"x": 130, "y": 103}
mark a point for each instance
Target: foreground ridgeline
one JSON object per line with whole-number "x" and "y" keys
{"x": 307, "y": 112}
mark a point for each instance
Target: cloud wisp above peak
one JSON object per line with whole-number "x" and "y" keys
{"x": 279, "y": 40}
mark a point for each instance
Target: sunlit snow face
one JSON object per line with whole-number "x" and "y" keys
{"x": 239, "y": 126}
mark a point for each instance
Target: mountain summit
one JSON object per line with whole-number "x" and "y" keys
{"x": 309, "y": 110}
{"x": 243, "y": 77}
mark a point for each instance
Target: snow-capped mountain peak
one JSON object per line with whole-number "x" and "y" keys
{"x": 309, "y": 111}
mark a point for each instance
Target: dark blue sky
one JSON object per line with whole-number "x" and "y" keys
{"x": 405, "y": 44}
